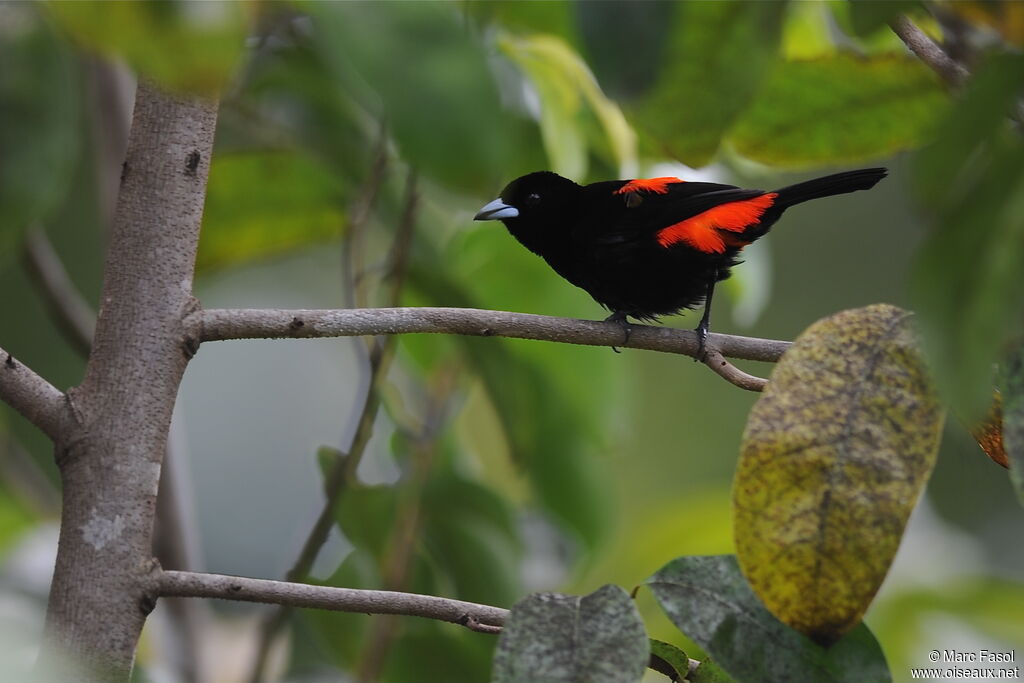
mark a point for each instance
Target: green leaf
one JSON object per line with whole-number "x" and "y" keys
{"x": 472, "y": 537}
{"x": 40, "y": 108}
{"x": 568, "y": 92}
{"x": 966, "y": 281}
{"x": 709, "y": 672}
{"x": 182, "y": 45}
{"x": 264, "y": 203}
{"x": 366, "y": 515}
{"x": 342, "y": 635}
{"x": 552, "y": 638}
{"x": 868, "y": 16}
{"x": 430, "y": 651}
{"x": 553, "y": 18}
{"x": 944, "y": 170}
{"x": 717, "y": 60}
{"x": 625, "y": 43}
{"x": 672, "y": 656}
{"x": 840, "y": 109}
{"x": 708, "y": 599}
{"x": 1013, "y": 419}
{"x": 835, "y": 454}
{"x": 417, "y": 67}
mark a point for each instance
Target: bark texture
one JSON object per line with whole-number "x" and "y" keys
{"x": 104, "y": 583}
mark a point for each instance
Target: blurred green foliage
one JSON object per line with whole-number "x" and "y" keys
{"x": 40, "y": 126}
{"x": 594, "y": 467}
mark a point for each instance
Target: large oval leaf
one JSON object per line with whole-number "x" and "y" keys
{"x": 552, "y": 638}
{"x": 709, "y": 600}
{"x": 835, "y": 454}
{"x": 838, "y": 109}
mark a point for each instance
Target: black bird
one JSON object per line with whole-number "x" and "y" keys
{"x": 645, "y": 248}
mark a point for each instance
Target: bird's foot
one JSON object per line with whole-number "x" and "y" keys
{"x": 627, "y": 329}
{"x": 702, "y": 337}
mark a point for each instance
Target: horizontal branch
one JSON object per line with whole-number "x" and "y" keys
{"x": 40, "y": 402}
{"x": 222, "y": 324}
{"x": 198, "y": 585}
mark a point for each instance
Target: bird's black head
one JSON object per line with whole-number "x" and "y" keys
{"x": 536, "y": 208}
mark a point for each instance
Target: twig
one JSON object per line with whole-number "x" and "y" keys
{"x": 222, "y": 324}
{"x": 717, "y": 362}
{"x": 37, "y": 400}
{"x": 200, "y": 585}
{"x": 74, "y": 317}
{"x": 176, "y": 546}
{"x": 928, "y": 51}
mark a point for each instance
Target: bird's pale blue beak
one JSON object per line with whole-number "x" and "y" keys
{"x": 496, "y": 211}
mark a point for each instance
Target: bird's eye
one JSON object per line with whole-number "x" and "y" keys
{"x": 532, "y": 199}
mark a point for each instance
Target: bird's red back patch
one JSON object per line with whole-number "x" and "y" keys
{"x": 657, "y": 185}
{"x": 702, "y": 231}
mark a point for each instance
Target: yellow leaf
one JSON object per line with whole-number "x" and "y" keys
{"x": 835, "y": 454}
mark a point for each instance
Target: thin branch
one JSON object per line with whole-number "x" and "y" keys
{"x": 222, "y": 324}
{"x": 732, "y": 374}
{"x": 928, "y": 51}
{"x": 200, "y": 585}
{"x": 37, "y": 400}
{"x": 74, "y": 317}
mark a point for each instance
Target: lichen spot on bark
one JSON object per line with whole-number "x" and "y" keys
{"x": 99, "y": 531}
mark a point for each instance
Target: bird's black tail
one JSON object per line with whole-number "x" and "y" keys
{"x": 839, "y": 183}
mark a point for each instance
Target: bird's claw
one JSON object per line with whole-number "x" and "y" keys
{"x": 627, "y": 328}
{"x": 702, "y": 337}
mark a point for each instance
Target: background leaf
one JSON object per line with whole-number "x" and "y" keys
{"x": 839, "y": 109}
{"x": 625, "y": 42}
{"x": 40, "y": 120}
{"x": 551, "y": 638}
{"x": 266, "y": 203}
{"x": 966, "y": 282}
{"x": 868, "y": 16}
{"x": 708, "y": 599}
{"x": 181, "y": 45}
{"x": 414, "y": 66}
{"x": 1013, "y": 419}
{"x": 716, "y": 61}
{"x": 568, "y": 93}
{"x": 835, "y": 454}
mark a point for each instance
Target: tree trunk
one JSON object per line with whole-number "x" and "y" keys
{"x": 110, "y": 452}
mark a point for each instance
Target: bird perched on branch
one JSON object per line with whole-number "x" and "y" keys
{"x": 645, "y": 248}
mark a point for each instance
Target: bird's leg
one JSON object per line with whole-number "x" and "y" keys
{"x": 620, "y": 318}
{"x": 705, "y": 322}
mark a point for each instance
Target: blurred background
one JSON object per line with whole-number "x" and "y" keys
{"x": 355, "y": 142}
